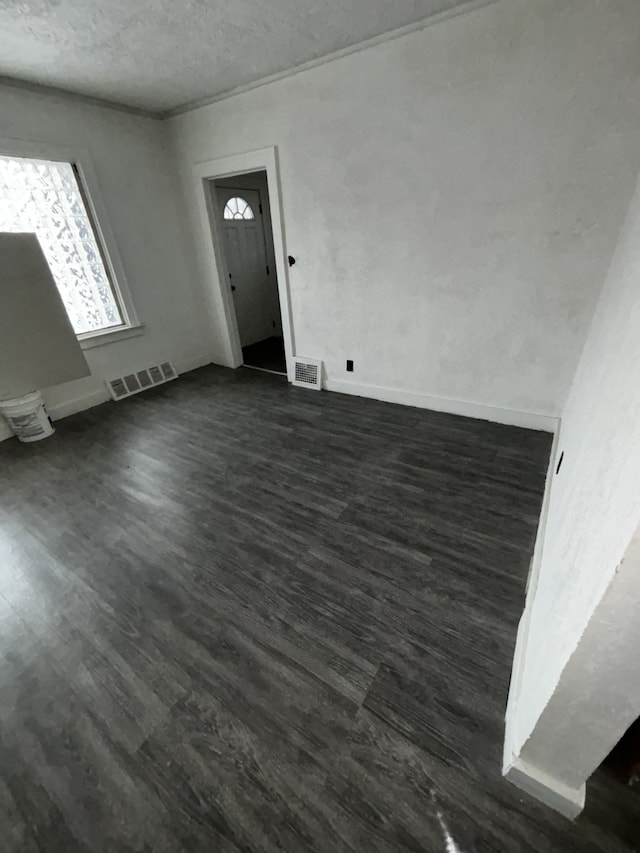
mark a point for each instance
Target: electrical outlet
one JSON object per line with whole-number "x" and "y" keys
{"x": 349, "y": 366}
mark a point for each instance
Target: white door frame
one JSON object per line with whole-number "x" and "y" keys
{"x": 264, "y": 159}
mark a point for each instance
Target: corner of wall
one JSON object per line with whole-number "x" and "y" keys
{"x": 512, "y": 742}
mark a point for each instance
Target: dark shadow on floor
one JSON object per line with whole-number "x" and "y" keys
{"x": 613, "y": 793}
{"x": 266, "y": 355}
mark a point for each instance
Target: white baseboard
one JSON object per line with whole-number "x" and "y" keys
{"x": 530, "y": 420}
{"x": 78, "y": 404}
{"x": 184, "y": 365}
{"x": 568, "y": 801}
{"x": 511, "y": 417}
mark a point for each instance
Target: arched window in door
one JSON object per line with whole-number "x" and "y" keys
{"x": 238, "y": 208}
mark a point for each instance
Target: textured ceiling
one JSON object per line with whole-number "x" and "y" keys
{"x": 159, "y": 55}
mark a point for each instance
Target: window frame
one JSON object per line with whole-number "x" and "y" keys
{"x": 83, "y": 168}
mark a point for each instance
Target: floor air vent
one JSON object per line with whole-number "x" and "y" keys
{"x": 307, "y": 373}
{"x": 133, "y": 383}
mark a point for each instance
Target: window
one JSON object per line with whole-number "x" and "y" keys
{"x": 238, "y": 208}
{"x": 45, "y": 196}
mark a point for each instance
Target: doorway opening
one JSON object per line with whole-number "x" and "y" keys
{"x": 242, "y": 212}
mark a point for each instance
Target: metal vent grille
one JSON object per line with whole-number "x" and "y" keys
{"x": 117, "y": 388}
{"x": 144, "y": 379}
{"x": 307, "y": 373}
{"x": 167, "y": 369}
{"x": 133, "y": 383}
{"x": 156, "y": 374}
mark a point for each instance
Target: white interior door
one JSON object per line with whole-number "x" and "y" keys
{"x": 251, "y": 281}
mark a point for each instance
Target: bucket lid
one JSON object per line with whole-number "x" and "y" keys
{"x": 26, "y": 399}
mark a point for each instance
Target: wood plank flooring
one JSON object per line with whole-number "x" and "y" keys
{"x": 238, "y": 616}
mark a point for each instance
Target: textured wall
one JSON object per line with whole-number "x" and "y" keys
{"x": 137, "y": 183}
{"x": 595, "y": 499}
{"x": 452, "y": 197}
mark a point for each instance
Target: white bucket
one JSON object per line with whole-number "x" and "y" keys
{"x": 27, "y": 417}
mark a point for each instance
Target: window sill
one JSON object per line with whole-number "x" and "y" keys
{"x": 109, "y": 336}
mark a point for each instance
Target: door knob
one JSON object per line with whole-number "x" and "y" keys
{"x": 291, "y": 260}
{"x": 233, "y": 287}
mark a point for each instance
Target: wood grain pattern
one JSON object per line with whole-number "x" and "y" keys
{"x": 238, "y": 616}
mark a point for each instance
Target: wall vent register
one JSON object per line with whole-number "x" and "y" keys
{"x": 307, "y": 373}
{"x": 134, "y": 383}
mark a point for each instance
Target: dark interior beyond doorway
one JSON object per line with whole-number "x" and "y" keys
{"x": 266, "y": 355}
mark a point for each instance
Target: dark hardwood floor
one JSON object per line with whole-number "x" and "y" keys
{"x": 239, "y": 616}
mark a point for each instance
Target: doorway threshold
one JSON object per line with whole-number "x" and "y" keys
{"x": 264, "y": 370}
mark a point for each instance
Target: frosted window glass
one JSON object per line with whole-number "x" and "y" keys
{"x": 238, "y": 208}
{"x": 44, "y": 196}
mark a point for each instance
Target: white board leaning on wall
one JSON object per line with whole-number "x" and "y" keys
{"x": 38, "y": 346}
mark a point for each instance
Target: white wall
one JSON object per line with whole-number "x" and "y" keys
{"x": 594, "y": 509}
{"x": 136, "y": 179}
{"x": 452, "y": 197}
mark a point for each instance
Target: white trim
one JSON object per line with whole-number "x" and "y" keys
{"x": 158, "y": 114}
{"x": 184, "y": 365}
{"x": 78, "y": 404}
{"x": 81, "y": 158}
{"x": 264, "y": 370}
{"x": 558, "y": 796}
{"x": 399, "y": 32}
{"x": 90, "y": 340}
{"x": 68, "y": 94}
{"x": 263, "y": 159}
{"x": 511, "y": 417}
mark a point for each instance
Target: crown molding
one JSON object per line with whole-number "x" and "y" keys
{"x": 105, "y": 103}
{"x": 424, "y": 23}
{"x": 67, "y": 94}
